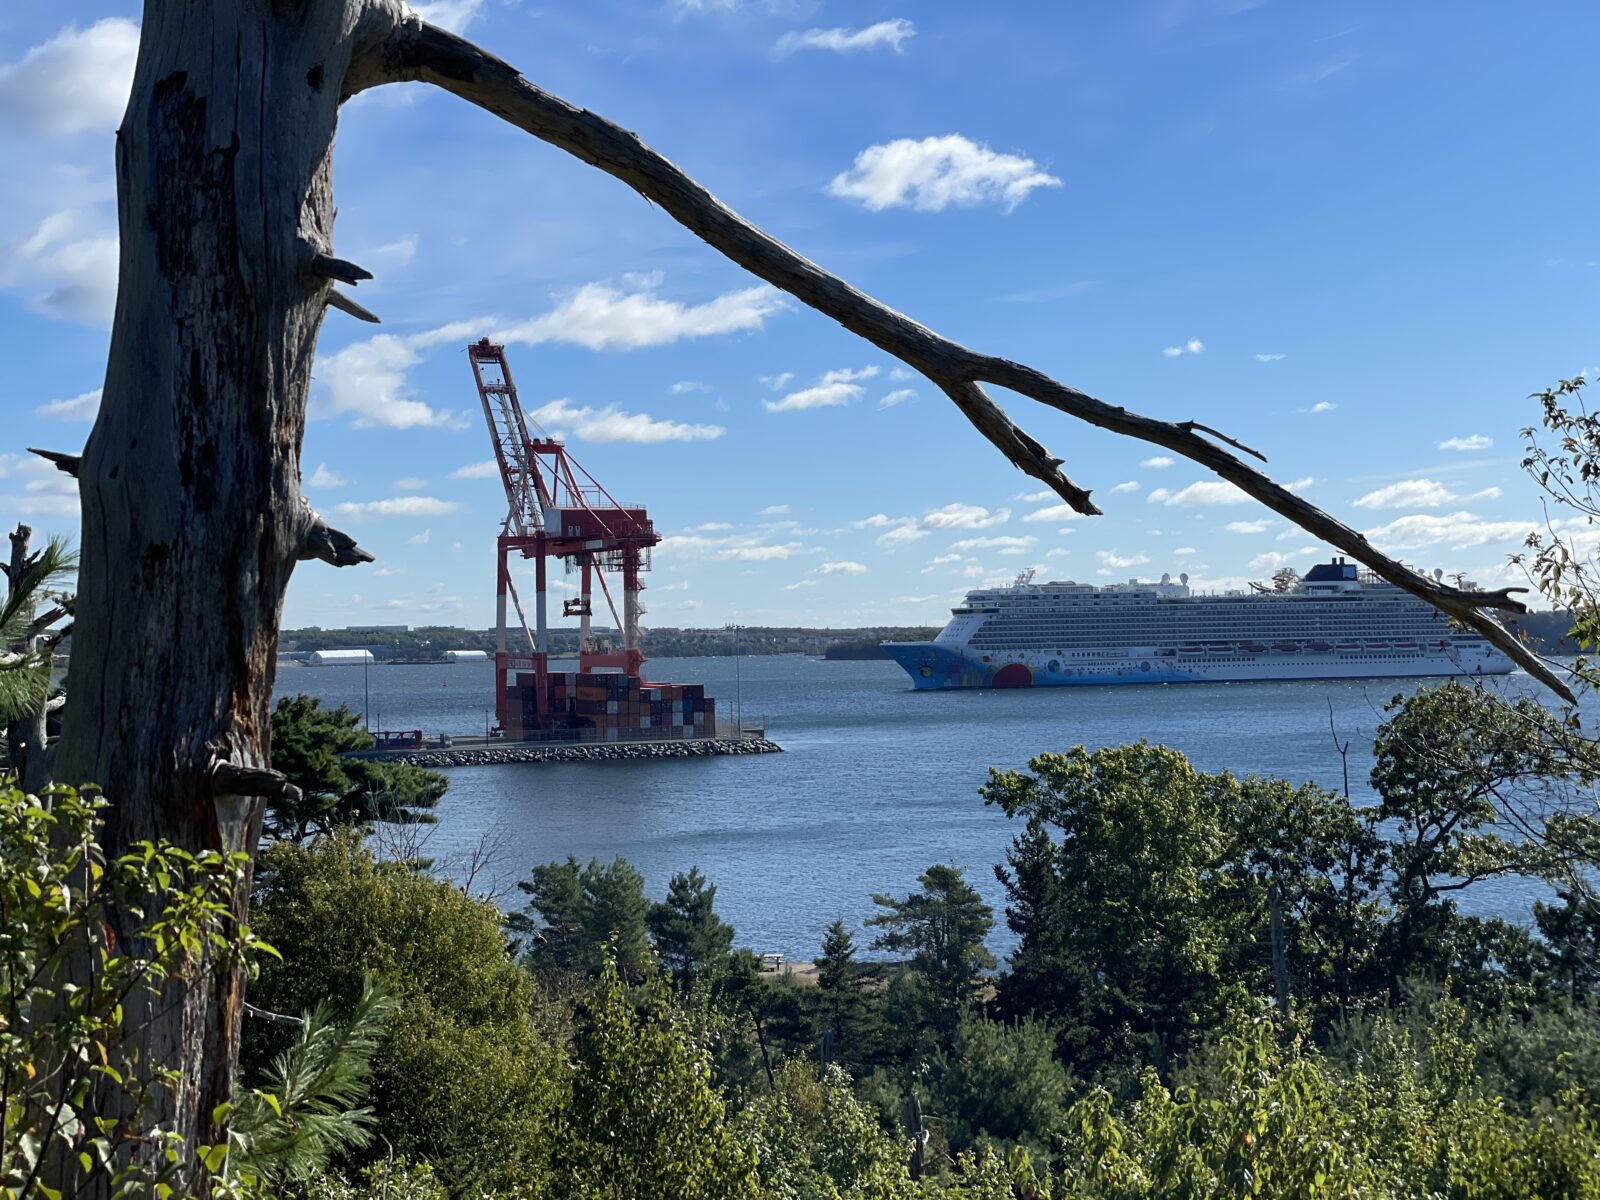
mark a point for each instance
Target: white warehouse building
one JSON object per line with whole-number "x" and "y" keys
{"x": 457, "y": 656}
{"x": 333, "y": 658}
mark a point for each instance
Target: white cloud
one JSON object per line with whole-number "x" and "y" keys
{"x": 897, "y": 601}
{"x": 1158, "y": 463}
{"x": 774, "y": 510}
{"x": 67, "y": 267}
{"x": 1184, "y": 551}
{"x": 1269, "y": 358}
{"x": 965, "y": 516}
{"x": 394, "y": 254}
{"x": 411, "y": 483}
{"x": 761, "y": 553}
{"x": 779, "y": 381}
{"x": 1248, "y": 526}
{"x": 842, "y": 568}
{"x": 324, "y": 478}
{"x": 1455, "y": 530}
{"x": 898, "y": 396}
{"x": 46, "y": 492}
{"x": 78, "y": 408}
{"x": 600, "y": 317}
{"x": 1193, "y": 346}
{"x": 1205, "y": 493}
{"x": 902, "y": 535}
{"x": 834, "y": 388}
{"x": 1408, "y": 493}
{"x": 880, "y": 521}
{"x": 893, "y": 34}
{"x": 1272, "y": 560}
{"x": 399, "y": 506}
{"x": 712, "y": 527}
{"x": 454, "y": 15}
{"x": 487, "y": 469}
{"x": 366, "y": 381}
{"x": 936, "y": 172}
{"x": 419, "y": 539}
{"x": 1005, "y": 545}
{"x": 1474, "y": 441}
{"x": 688, "y": 385}
{"x": 943, "y": 559}
{"x": 1056, "y": 512}
{"x": 1131, "y": 485}
{"x": 1112, "y": 559}
{"x": 612, "y": 424}
{"x": 76, "y": 82}
{"x": 1322, "y": 406}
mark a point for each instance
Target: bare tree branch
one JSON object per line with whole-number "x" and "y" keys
{"x": 337, "y": 299}
{"x": 417, "y": 51}
{"x": 67, "y": 464}
{"x": 334, "y": 546}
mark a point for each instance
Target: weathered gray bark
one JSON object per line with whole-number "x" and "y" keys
{"x": 192, "y": 514}
{"x": 190, "y": 481}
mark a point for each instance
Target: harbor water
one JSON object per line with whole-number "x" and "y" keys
{"x": 877, "y": 781}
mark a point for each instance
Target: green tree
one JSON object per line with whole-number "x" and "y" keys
{"x": 462, "y": 1076}
{"x": 1126, "y": 895}
{"x": 942, "y": 927}
{"x": 578, "y": 918}
{"x": 999, "y": 1083}
{"x": 691, "y": 940}
{"x": 309, "y": 743}
{"x": 644, "y": 1119}
{"x": 1449, "y": 763}
{"x": 31, "y": 606}
{"x": 846, "y": 1012}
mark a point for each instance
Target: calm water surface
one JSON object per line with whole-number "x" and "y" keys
{"x": 877, "y": 781}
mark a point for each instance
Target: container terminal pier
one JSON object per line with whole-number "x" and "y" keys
{"x": 606, "y": 708}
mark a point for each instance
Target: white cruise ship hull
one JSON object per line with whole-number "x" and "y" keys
{"x": 935, "y": 666}
{"x": 1333, "y": 624}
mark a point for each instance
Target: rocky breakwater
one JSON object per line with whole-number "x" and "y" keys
{"x": 605, "y": 752}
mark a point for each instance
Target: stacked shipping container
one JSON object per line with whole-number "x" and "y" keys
{"x": 608, "y": 706}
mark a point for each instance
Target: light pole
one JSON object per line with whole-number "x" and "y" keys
{"x": 366, "y": 690}
{"x": 738, "y": 681}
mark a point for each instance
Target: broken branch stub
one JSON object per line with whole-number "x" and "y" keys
{"x": 417, "y": 51}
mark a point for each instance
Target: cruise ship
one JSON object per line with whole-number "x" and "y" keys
{"x": 1337, "y": 622}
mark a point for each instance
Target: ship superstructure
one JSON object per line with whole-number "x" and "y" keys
{"x": 1336, "y": 623}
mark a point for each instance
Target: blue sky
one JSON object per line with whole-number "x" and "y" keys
{"x": 1355, "y": 235}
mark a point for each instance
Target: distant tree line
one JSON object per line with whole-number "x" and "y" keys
{"x": 429, "y": 643}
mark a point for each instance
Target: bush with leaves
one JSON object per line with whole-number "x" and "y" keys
{"x": 70, "y": 1055}
{"x": 1000, "y": 1085}
{"x": 461, "y": 1077}
{"x": 645, "y": 1118}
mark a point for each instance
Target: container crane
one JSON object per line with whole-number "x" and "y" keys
{"x": 556, "y": 509}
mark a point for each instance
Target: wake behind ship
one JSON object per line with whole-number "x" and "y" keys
{"x": 1336, "y": 623}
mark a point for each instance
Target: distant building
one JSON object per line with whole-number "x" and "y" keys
{"x": 329, "y": 658}
{"x": 456, "y": 656}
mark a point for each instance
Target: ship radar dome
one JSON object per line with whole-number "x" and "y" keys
{"x": 1165, "y": 577}
{"x": 1184, "y": 579}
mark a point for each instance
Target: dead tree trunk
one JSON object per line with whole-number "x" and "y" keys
{"x": 190, "y": 481}
{"x": 192, "y": 514}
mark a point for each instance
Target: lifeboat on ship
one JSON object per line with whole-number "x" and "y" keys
{"x": 1252, "y": 647}
{"x": 1286, "y": 647}
{"x": 1319, "y": 647}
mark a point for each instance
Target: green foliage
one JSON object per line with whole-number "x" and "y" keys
{"x": 846, "y": 1007}
{"x": 644, "y": 1118}
{"x": 311, "y": 1105}
{"x": 71, "y": 1068}
{"x": 999, "y": 1084}
{"x": 1125, "y": 895}
{"x": 386, "y": 1180}
{"x": 24, "y": 666}
{"x": 578, "y": 918}
{"x": 691, "y": 940}
{"x": 942, "y": 927}
{"x": 813, "y": 1140}
{"x": 461, "y": 1077}
{"x": 308, "y": 745}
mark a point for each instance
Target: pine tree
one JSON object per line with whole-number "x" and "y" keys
{"x": 844, "y": 1014}
{"x": 578, "y": 916}
{"x": 943, "y": 926}
{"x": 689, "y": 936}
